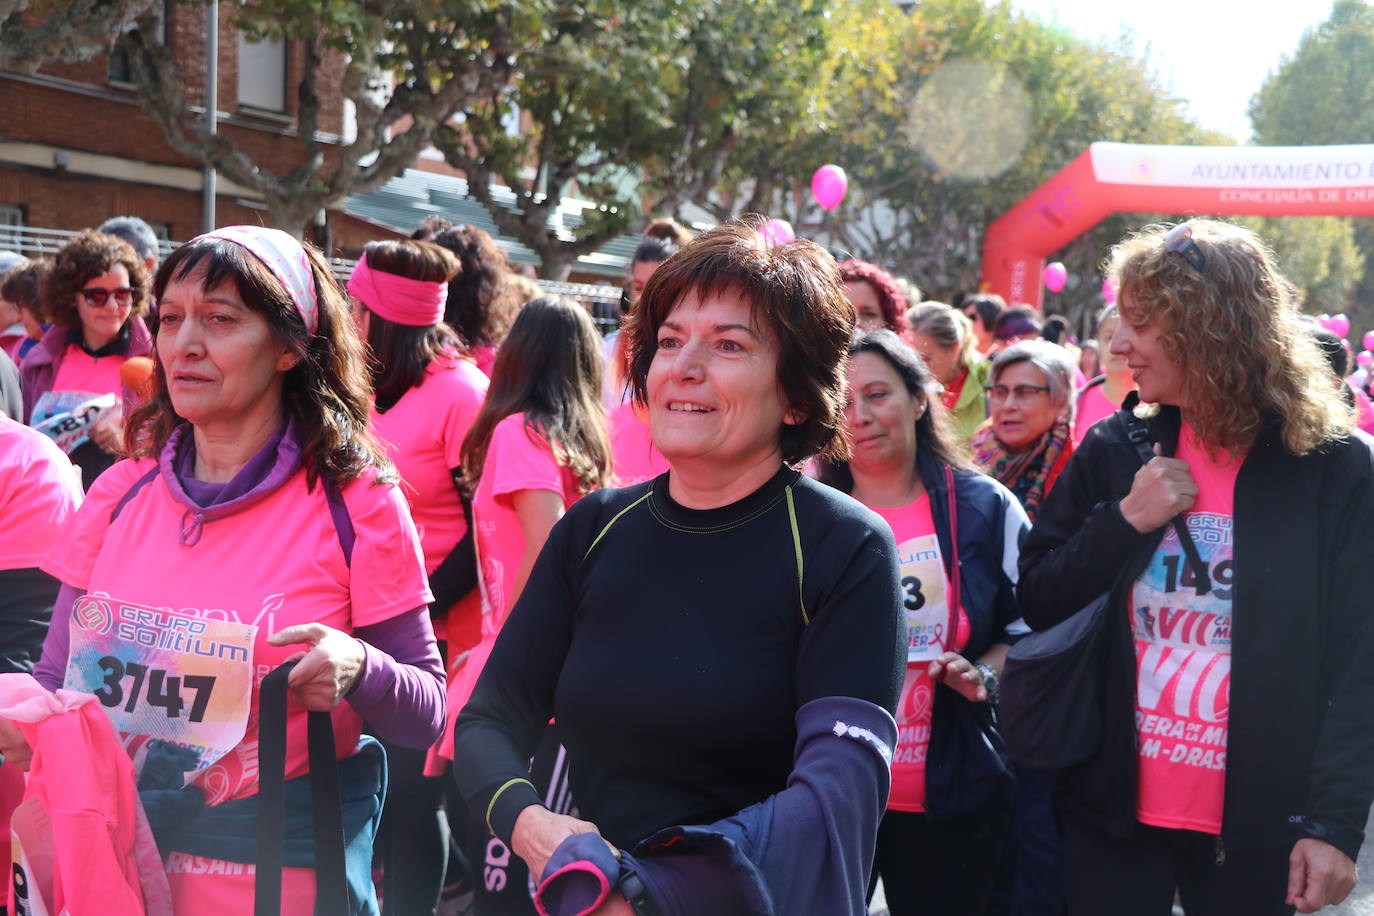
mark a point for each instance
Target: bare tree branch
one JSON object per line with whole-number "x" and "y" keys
{"x": 72, "y": 33}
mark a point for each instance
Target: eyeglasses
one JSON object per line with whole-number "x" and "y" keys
{"x": 97, "y": 297}
{"x": 1000, "y": 393}
{"x": 1179, "y": 240}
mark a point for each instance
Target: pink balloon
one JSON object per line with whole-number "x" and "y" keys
{"x": 777, "y": 232}
{"x": 829, "y": 186}
{"x": 1055, "y": 276}
{"x": 1325, "y": 321}
{"x": 1109, "y": 291}
{"x": 1340, "y": 325}
{"x": 1368, "y": 340}
{"x": 1363, "y": 359}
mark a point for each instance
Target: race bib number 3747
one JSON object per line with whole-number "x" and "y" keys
{"x": 164, "y": 674}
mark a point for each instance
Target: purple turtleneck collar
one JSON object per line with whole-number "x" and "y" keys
{"x": 273, "y": 465}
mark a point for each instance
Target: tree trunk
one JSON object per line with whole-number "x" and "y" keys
{"x": 555, "y": 265}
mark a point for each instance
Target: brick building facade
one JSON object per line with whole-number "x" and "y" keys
{"x": 76, "y": 147}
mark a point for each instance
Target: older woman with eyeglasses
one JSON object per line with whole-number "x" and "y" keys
{"x": 1025, "y": 442}
{"x": 96, "y": 295}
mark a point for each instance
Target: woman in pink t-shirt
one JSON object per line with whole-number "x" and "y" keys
{"x": 538, "y": 444}
{"x": 96, "y": 295}
{"x": 948, "y": 818}
{"x": 1234, "y": 762}
{"x": 1102, "y": 396}
{"x": 258, "y": 524}
{"x": 426, "y": 396}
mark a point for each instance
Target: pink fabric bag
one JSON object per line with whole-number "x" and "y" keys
{"x": 81, "y": 829}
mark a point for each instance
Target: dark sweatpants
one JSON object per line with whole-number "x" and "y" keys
{"x": 1139, "y": 876}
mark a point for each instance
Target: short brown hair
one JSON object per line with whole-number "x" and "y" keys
{"x": 794, "y": 291}
{"x": 24, "y": 286}
{"x": 81, "y": 260}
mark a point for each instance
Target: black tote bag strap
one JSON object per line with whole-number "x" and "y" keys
{"x": 331, "y": 886}
{"x": 1144, "y": 446}
{"x": 271, "y": 792}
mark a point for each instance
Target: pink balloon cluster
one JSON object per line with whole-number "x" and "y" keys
{"x": 1368, "y": 340}
{"x": 1364, "y": 358}
{"x": 1055, "y": 276}
{"x": 1336, "y": 324}
{"x": 829, "y": 186}
{"x": 1108, "y": 291}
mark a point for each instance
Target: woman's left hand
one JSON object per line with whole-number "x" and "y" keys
{"x": 108, "y": 432}
{"x": 953, "y": 670}
{"x": 326, "y": 673}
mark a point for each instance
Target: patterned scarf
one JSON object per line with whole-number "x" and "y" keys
{"x": 1026, "y": 472}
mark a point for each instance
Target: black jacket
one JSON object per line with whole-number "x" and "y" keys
{"x": 991, "y": 527}
{"x": 1300, "y": 754}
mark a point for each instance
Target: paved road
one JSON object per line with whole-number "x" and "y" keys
{"x": 1359, "y": 903}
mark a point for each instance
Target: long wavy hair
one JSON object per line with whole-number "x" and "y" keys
{"x": 934, "y": 436}
{"x": 326, "y": 393}
{"x": 549, "y": 369}
{"x": 1234, "y": 330}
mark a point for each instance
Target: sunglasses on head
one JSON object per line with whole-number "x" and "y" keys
{"x": 1179, "y": 240}
{"x": 98, "y": 297}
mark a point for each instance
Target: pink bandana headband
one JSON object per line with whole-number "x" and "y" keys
{"x": 285, "y": 258}
{"x": 414, "y": 303}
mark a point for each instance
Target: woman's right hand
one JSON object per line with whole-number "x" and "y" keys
{"x": 1161, "y": 489}
{"x": 538, "y": 832}
{"x": 15, "y": 746}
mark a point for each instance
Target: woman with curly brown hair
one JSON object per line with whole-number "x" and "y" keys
{"x": 260, "y": 516}
{"x": 877, "y": 299}
{"x": 482, "y": 302}
{"x": 1236, "y": 755}
{"x": 95, "y": 295}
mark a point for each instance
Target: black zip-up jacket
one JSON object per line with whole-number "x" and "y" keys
{"x": 1300, "y": 751}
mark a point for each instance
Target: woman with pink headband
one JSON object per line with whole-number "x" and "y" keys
{"x": 426, "y": 398}
{"x": 258, "y": 523}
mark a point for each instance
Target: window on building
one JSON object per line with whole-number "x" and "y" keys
{"x": 11, "y": 227}
{"x": 262, "y": 74}
{"x": 120, "y": 70}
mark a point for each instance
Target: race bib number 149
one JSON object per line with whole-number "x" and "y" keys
{"x": 163, "y": 674}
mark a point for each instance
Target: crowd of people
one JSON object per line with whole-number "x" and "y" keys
{"x": 418, "y": 595}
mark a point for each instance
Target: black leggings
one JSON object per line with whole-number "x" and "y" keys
{"x": 1139, "y": 876}
{"x": 413, "y": 837}
{"x": 939, "y": 864}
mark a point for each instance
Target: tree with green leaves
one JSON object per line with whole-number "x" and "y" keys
{"x": 1324, "y": 94}
{"x": 638, "y": 108}
{"x": 953, "y": 111}
{"x": 405, "y": 66}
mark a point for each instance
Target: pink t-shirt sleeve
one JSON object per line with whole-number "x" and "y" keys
{"x": 74, "y": 556}
{"x": 518, "y": 460}
{"x": 387, "y": 575}
{"x": 39, "y": 492}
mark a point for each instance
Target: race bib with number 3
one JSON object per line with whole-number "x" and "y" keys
{"x": 163, "y": 674}
{"x": 923, "y": 598}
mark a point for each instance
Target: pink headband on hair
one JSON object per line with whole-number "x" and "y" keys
{"x": 285, "y": 258}
{"x": 414, "y": 303}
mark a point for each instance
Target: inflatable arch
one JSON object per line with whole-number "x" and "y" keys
{"x": 1109, "y": 178}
